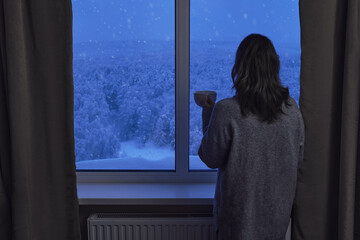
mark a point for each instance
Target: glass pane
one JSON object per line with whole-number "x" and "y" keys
{"x": 216, "y": 29}
{"x": 124, "y": 84}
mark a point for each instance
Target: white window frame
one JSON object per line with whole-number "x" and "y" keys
{"x": 182, "y": 173}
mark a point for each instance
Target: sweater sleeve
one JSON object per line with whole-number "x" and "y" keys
{"x": 216, "y": 141}
{"x": 206, "y": 114}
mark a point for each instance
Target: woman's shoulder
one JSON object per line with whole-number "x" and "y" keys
{"x": 230, "y": 107}
{"x": 292, "y": 106}
{"x": 228, "y": 102}
{"x": 293, "y": 113}
{"x": 227, "y": 108}
{"x": 292, "y": 101}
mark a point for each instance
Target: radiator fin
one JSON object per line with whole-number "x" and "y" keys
{"x": 113, "y": 227}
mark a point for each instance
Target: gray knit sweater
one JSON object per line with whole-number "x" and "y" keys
{"x": 257, "y": 169}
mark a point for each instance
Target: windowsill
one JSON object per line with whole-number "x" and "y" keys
{"x": 146, "y": 193}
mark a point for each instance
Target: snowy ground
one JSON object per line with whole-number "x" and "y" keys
{"x": 131, "y": 156}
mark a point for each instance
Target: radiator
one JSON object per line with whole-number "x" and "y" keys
{"x": 146, "y": 227}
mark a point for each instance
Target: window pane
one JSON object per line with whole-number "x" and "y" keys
{"x": 216, "y": 29}
{"x": 124, "y": 84}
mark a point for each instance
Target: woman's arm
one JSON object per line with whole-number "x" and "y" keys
{"x": 206, "y": 114}
{"x": 216, "y": 141}
{"x": 207, "y": 108}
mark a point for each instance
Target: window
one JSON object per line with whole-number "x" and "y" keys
{"x": 124, "y": 82}
{"x": 216, "y": 29}
{"x": 134, "y": 77}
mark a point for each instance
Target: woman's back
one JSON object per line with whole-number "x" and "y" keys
{"x": 257, "y": 173}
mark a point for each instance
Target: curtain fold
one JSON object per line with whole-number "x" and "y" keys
{"x": 327, "y": 201}
{"x": 38, "y": 197}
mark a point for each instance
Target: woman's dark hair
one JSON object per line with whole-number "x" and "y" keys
{"x": 256, "y": 79}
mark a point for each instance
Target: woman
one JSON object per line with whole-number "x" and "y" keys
{"x": 255, "y": 139}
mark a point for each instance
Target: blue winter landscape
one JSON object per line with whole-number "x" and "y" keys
{"x": 124, "y": 87}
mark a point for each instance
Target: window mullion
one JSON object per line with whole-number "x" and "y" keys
{"x": 182, "y": 59}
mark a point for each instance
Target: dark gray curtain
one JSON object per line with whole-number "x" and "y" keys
{"x": 38, "y": 198}
{"x": 327, "y": 201}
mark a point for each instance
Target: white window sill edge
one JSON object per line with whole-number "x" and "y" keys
{"x": 146, "y": 193}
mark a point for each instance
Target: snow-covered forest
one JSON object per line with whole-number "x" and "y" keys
{"x": 125, "y": 98}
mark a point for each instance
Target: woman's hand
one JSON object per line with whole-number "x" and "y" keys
{"x": 207, "y": 105}
{"x": 208, "y": 102}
